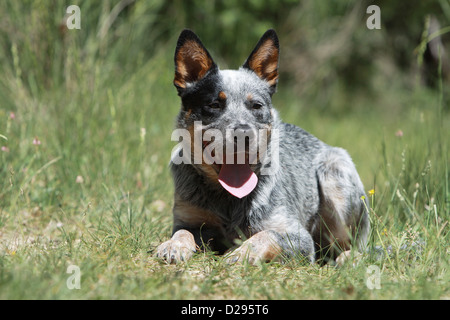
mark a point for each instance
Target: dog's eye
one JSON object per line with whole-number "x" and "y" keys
{"x": 214, "y": 105}
{"x": 256, "y": 105}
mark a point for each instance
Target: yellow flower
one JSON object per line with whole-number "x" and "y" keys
{"x": 371, "y": 192}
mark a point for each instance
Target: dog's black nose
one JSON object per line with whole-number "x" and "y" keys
{"x": 242, "y": 128}
{"x": 243, "y": 132}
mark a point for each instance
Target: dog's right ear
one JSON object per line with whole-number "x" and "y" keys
{"x": 192, "y": 60}
{"x": 264, "y": 59}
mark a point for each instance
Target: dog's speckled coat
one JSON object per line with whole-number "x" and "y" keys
{"x": 308, "y": 206}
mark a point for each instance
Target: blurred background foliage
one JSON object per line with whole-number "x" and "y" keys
{"x": 87, "y": 93}
{"x": 327, "y": 51}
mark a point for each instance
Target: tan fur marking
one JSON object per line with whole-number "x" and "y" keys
{"x": 192, "y": 63}
{"x": 332, "y": 235}
{"x": 261, "y": 247}
{"x": 222, "y": 95}
{"x": 267, "y": 246}
{"x": 191, "y": 133}
{"x": 333, "y": 229}
{"x": 187, "y": 214}
{"x": 209, "y": 171}
{"x": 265, "y": 62}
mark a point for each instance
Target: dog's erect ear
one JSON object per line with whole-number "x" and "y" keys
{"x": 264, "y": 58}
{"x": 192, "y": 60}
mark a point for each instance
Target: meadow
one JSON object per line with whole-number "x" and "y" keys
{"x": 85, "y": 123}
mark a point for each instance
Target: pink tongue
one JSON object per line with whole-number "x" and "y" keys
{"x": 237, "y": 179}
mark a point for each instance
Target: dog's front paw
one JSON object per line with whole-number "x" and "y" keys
{"x": 258, "y": 249}
{"x": 244, "y": 253}
{"x": 180, "y": 248}
{"x": 174, "y": 251}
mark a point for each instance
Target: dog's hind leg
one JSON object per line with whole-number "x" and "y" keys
{"x": 342, "y": 220}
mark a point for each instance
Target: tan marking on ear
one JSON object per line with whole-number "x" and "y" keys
{"x": 265, "y": 62}
{"x": 192, "y": 63}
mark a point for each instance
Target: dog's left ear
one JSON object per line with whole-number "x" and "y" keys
{"x": 264, "y": 59}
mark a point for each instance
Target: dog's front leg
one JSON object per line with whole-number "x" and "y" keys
{"x": 179, "y": 248}
{"x": 261, "y": 247}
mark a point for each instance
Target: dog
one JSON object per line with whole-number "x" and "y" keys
{"x": 298, "y": 197}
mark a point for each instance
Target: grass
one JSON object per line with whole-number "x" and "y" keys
{"x": 97, "y": 193}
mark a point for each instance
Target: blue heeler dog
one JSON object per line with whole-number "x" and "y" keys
{"x": 298, "y": 197}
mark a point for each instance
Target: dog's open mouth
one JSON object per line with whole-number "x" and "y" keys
{"x": 236, "y": 177}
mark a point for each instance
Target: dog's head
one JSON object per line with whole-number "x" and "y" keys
{"x": 228, "y": 113}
